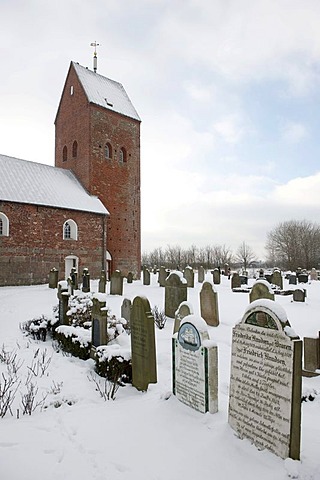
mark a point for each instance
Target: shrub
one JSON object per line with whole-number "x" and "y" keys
{"x": 159, "y": 317}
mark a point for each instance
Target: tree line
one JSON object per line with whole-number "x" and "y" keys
{"x": 290, "y": 245}
{"x": 210, "y": 256}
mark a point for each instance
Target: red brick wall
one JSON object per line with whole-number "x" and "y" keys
{"x": 35, "y": 243}
{"x": 117, "y": 185}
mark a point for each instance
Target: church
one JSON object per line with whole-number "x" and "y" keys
{"x": 84, "y": 212}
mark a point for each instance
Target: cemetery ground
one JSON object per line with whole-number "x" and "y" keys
{"x": 151, "y": 435}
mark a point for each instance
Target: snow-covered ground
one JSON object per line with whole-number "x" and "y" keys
{"x": 149, "y": 435}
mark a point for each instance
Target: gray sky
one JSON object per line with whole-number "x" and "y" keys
{"x": 228, "y": 93}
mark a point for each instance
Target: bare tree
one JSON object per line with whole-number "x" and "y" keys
{"x": 245, "y": 255}
{"x": 294, "y": 243}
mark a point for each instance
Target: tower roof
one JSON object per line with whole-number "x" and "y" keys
{"x": 29, "y": 182}
{"x": 105, "y": 92}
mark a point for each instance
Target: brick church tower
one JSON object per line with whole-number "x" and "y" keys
{"x": 98, "y": 138}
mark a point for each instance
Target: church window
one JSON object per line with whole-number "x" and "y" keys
{"x": 70, "y": 230}
{"x": 4, "y": 225}
{"x": 75, "y": 149}
{"x": 108, "y": 150}
{"x": 64, "y": 154}
{"x": 122, "y": 155}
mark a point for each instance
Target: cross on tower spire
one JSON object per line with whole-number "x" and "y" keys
{"x": 95, "y": 59}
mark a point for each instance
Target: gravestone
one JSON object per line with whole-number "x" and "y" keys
{"x": 116, "y": 283}
{"x": 268, "y": 277}
{"x": 293, "y": 279}
{"x": 261, "y": 273}
{"x": 102, "y": 282}
{"x": 146, "y": 276}
{"x": 226, "y": 269}
{"x": 277, "y": 278}
{"x": 299, "y": 295}
{"x": 130, "y": 277}
{"x": 265, "y": 382}
{"x": 176, "y": 292}
{"x": 313, "y": 274}
{"x": 189, "y": 276}
{"x": 63, "y": 296}
{"x": 163, "y": 274}
{"x": 311, "y": 355}
{"x": 261, "y": 289}
{"x": 235, "y": 281}
{"x": 201, "y": 274}
{"x": 126, "y": 310}
{"x": 243, "y": 279}
{"x": 99, "y": 323}
{"x": 303, "y": 278}
{"x": 143, "y": 346}
{"x": 184, "y": 309}
{"x": 74, "y": 278}
{"x": 86, "y": 281}
{"x": 209, "y": 305}
{"x": 195, "y": 366}
{"x": 70, "y": 285}
{"x": 53, "y": 278}
{"x": 216, "y": 276}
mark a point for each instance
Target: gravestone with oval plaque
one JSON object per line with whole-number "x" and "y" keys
{"x": 265, "y": 383}
{"x": 195, "y": 366}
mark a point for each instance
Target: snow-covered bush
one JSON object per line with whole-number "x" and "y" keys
{"x": 37, "y": 327}
{"x": 75, "y": 340}
{"x": 113, "y": 361}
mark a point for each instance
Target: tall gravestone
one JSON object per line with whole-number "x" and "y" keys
{"x": 116, "y": 283}
{"x": 102, "y": 282}
{"x": 126, "y": 310}
{"x": 99, "y": 323}
{"x": 189, "y": 276}
{"x": 277, "y": 278}
{"x": 209, "y": 305}
{"x": 176, "y": 292}
{"x": 146, "y": 276}
{"x": 184, "y": 310}
{"x": 53, "y": 278}
{"x": 63, "y": 296}
{"x": 265, "y": 382}
{"x": 163, "y": 274}
{"x": 86, "y": 281}
{"x": 74, "y": 278}
{"x": 261, "y": 289}
{"x": 195, "y": 366}
{"x": 235, "y": 281}
{"x": 201, "y": 274}
{"x": 130, "y": 277}
{"x": 313, "y": 274}
{"x": 216, "y": 276}
{"x": 143, "y": 345}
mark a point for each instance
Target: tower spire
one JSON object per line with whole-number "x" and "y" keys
{"x": 95, "y": 58}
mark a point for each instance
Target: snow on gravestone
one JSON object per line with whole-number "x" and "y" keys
{"x": 265, "y": 384}
{"x": 195, "y": 365}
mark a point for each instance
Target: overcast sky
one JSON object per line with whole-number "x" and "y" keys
{"x": 228, "y": 92}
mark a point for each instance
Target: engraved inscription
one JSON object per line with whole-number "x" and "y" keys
{"x": 261, "y": 387}
{"x": 190, "y": 377}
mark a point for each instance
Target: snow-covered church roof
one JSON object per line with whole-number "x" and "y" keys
{"x": 105, "y": 92}
{"x": 28, "y": 182}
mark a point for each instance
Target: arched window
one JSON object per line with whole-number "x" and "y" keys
{"x": 64, "y": 154}
{"x": 122, "y": 155}
{"x": 108, "y": 150}
{"x": 4, "y": 225}
{"x": 74, "y": 149}
{"x": 70, "y": 230}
